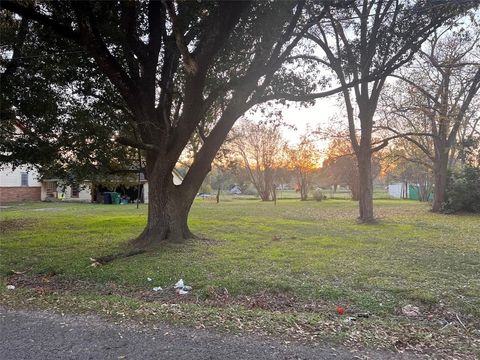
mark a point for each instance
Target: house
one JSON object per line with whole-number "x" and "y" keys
{"x": 89, "y": 192}
{"x": 23, "y": 184}
{"x": 236, "y": 190}
{"x": 56, "y": 189}
{"x": 19, "y": 184}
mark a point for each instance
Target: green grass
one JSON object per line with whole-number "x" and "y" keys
{"x": 313, "y": 251}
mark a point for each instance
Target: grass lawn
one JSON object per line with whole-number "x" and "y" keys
{"x": 286, "y": 268}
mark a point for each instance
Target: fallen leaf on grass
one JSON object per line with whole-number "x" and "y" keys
{"x": 411, "y": 311}
{"x": 94, "y": 263}
{"x": 18, "y": 272}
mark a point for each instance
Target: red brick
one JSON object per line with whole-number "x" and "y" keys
{"x": 17, "y": 193}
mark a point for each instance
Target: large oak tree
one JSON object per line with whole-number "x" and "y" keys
{"x": 164, "y": 67}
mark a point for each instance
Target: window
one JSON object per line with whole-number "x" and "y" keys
{"x": 75, "y": 191}
{"x": 24, "y": 178}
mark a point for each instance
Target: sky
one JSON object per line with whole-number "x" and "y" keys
{"x": 324, "y": 114}
{"x": 310, "y": 118}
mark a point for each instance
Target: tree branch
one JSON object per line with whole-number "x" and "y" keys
{"x": 91, "y": 39}
{"x": 137, "y": 145}
{"x": 12, "y": 65}
{"x": 189, "y": 62}
{"x": 384, "y": 142}
{"x": 30, "y": 13}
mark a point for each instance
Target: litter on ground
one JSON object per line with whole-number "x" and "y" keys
{"x": 180, "y": 284}
{"x": 363, "y": 315}
{"x": 181, "y": 288}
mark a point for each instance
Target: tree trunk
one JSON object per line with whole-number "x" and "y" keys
{"x": 441, "y": 174}
{"x": 304, "y": 190}
{"x": 354, "y": 187}
{"x": 355, "y": 192}
{"x": 265, "y": 195}
{"x": 365, "y": 186}
{"x": 168, "y": 208}
{"x": 303, "y": 193}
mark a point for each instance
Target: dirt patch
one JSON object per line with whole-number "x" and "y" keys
{"x": 44, "y": 284}
{"x": 217, "y": 297}
{"x": 9, "y": 226}
{"x": 212, "y": 296}
{"x": 53, "y": 283}
{"x": 266, "y": 300}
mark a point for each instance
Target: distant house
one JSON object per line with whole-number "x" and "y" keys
{"x": 20, "y": 184}
{"x": 55, "y": 189}
{"x": 236, "y": 190}
{"x": 23, "y": 184}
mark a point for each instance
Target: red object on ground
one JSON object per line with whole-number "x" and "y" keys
{"x": 340, "y": 310}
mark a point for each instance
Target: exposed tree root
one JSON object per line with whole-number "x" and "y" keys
{"x": 109, "y": 258}
{"x": 146, "y": 242}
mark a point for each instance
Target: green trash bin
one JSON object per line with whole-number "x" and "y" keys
{"x": 115, "y": 198}
{"x": 413, "y": 192}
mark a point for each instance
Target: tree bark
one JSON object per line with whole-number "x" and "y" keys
{"x": 168, "y": 207}
{"x": 303, "y": 189}
{"x": 265, "y": 185}
{"x": 354, "y": 188}
{"x": 365, "y": 185}
{"x": 441, "y": 174}
{"x": 265, "y": 195}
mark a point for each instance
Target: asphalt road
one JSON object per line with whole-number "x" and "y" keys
{"x": 44, "y": 335}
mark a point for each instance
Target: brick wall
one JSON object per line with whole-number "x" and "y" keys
{"x": 17, "y": 193}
